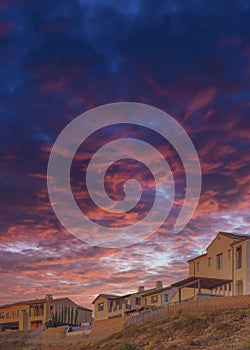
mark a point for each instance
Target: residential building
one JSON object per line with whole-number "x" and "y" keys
{"x": 31, "y": 314}
{"x": 159, "y": 296}
{"x": 224, "y": 269}
{"x": 108, "y": 306}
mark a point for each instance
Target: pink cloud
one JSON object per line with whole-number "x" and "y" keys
{"x": 202, "y": 99}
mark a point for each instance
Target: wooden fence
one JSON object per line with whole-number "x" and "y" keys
{"x": 203, "y": 305}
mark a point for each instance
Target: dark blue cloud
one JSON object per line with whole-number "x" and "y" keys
{"x": 60, "y": 58}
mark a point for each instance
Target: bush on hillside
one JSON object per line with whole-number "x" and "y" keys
{"x": 127, "y": 346}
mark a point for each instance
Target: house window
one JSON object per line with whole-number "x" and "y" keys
{"x": 219, "y": 261}
{"x": 58, "y": 308}
{"x": 209, "y": 261}
{"x": 100, "y": 306}
{"x": 137, "y": 301}
{"x": 52, "y": 311}
{"x": 197, "y": 266}
{"x": 154, "y": 299}
{"x": 229, "y": 287}
{"x": 229, "y": 254}
{"x": 166, "y": 298}
{"x": 119, "y": 304}
{"x": 127, "y": 304}
{"x": 8, "y": 315}
{"x": 2, "y": 315}
{"x": 238, "y": 257}
{"x": 110, "y": 305}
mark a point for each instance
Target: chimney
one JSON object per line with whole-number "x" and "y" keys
{"x": 48, "y": 297}
{"x": 140, "y": 289}
{"x": 158, "y": 285}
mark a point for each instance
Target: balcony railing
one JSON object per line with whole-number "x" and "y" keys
{"x": 38, "y": 313}
{"x": 119, "y": 307}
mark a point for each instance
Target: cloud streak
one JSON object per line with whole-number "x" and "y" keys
{"x": 191, "y": 61}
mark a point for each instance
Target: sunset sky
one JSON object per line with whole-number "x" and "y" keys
{"x": 59, "y": 59}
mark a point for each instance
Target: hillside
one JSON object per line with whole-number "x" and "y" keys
{"x": 211, "y": 331}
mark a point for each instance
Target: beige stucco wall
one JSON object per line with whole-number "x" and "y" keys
{"x": 101, "y": 315}
{"x": 148, "y": 299}
{"x": 241, "y": 273}
{"x": 248, "y": 266}
{"x": 220, "y": 245}
{"x": 24, "y": 319}
{"x": 161, "y": 297}
{"x": 24, "y": 324}
{"x": 132, "y": 300}
{"x": 187, "y": 293}
{"x": 13, "y": 309}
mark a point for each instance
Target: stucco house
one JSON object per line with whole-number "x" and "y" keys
{"x": 31, "y": 314}
{"x": 107, "y": 306}
{"x": 223, "y": 270}
{"x": 159, "y": 296}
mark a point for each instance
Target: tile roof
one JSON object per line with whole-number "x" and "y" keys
{"x": 197, "y": 257}
{"x": 34, "y": 301}
{"x": 155, "y": 290}
{"x": 107, "y": 296}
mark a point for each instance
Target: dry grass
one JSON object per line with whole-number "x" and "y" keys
{"x": 210, "y": 331}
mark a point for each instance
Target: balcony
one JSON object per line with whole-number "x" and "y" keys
{"x": 120, "y": 307}
{"x": 36, "y": 310}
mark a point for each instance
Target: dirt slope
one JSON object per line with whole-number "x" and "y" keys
{"x": 228, "y": 330}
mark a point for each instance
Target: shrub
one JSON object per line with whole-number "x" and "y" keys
{"x": 127, "y": 346}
